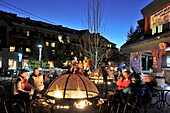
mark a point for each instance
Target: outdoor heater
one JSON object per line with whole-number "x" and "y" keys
{"x": 97, "y": 76}
{"x": 71, "y": 91}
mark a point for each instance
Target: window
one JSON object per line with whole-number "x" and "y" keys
{"x": 153, "y": 30}
{"x": 28, "y": 33}
{"x": 47, "y": 43}
{"x": 52, "y": 44}
{"x": 159, "y": 28}
{"x": 53, "y": 52}
{"x": 60, "y": 39}
{"x": 20, "y": 30}
{"x": 48, "y": 35}
{"x": 28, "y": 42}
{"x": 68, "y": 39}
{"x": 81, "y": 54}
{"x": 72, "y": 53}
{"x": 12, "y": 48}
{"x": 28, "y": 50}
{"x": 12, "y": 64}
{"x": 53, "y": 36}
{"x": 168, "y": 61}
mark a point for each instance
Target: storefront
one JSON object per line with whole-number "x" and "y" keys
{"x": 150, "y": 53}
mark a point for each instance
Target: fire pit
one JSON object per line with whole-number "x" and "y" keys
{"x": 69, "y": 92}
{"x": 97, "y": 76}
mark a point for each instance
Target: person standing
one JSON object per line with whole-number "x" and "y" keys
{"x": 85, "y": 62}
{"x": 37, "y": 81}
{"x": 80, "y": 66}
{"x": 90, "y": 64}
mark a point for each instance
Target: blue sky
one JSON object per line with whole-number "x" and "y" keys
{"x": 119, "y": 15}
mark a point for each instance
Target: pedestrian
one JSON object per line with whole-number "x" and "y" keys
{"x": 80, "y": 66}
{"x": 90, "y": 64}
{"x": 85, "y": 62}
{"x": 105, "y": 75}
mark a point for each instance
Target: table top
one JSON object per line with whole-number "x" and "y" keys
{"x": 166, "y": 88}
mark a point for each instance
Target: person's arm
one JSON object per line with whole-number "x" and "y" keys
{"x": 19, "y": 86}
{"x": 119, "y": 82}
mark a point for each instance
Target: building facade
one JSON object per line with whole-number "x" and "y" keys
{"x": 150, "y": 51}
{"x": 20, "y": 37}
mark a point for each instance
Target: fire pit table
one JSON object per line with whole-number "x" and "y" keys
{"x": 69, "y": 93}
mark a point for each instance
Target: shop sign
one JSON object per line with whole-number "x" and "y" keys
{"x": 162, "y": 45}
{"x": 161, "y": 17}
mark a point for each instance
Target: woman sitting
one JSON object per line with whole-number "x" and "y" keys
{"x": 123, "y": 81}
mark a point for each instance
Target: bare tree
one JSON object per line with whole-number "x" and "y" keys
{"x": 93, "y": 45}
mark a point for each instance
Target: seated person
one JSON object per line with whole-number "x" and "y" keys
{"x": 19, "y": 88}
{"x": 137, "y": 88}
{"x": 123, "y": 81}
{"x": 36, "y": 80}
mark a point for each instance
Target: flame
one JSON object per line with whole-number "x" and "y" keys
{"x": 58, "y": 94}
{"x": 82, "y": 104}
{"x": 78, "y": 94}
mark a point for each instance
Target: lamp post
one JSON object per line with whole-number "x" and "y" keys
{"x": 40, "y": 50}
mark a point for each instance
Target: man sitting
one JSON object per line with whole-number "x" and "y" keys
{"x": 21, "y": 88}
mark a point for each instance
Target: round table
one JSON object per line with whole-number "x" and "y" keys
{"x": 163, "y": 95}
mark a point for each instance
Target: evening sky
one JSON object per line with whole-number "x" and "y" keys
{"x": 119, "y": 15}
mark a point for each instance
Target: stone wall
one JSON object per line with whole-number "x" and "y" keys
{"x": 167, "y": 75}
{"x": 135, "y": 62}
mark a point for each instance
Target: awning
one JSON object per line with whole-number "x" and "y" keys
{"x": 148, "y": 44}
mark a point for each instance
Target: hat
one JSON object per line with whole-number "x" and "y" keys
{"x": 23, "y": 70}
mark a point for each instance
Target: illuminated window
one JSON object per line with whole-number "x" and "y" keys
{"x": 12, "y": 63}
{"x": 159, "y": 28}
{"x": 81, "y": 54}
{"x": 28, "y": 50}
{"x": 28, "y": 33}
{"x": 52, "y": 44}
{"x": 153, "y": 30}
{"x": 12, "y": 48}
{"x": 168, "y": 61}
{"x": 53, "y": 52}
{"x": 68, "y": 39}
{"x": 47, "y": 43}
{"x": 23, "y": 23}
{"x": 72, "y": 53}
{"x": 60, "y": 39}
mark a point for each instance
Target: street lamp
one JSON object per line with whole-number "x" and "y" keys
{"x": 40, "y": 50}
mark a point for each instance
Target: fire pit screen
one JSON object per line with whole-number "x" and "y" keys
{"x": 72, "y": 86}
{"x": 97, "y": 76}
